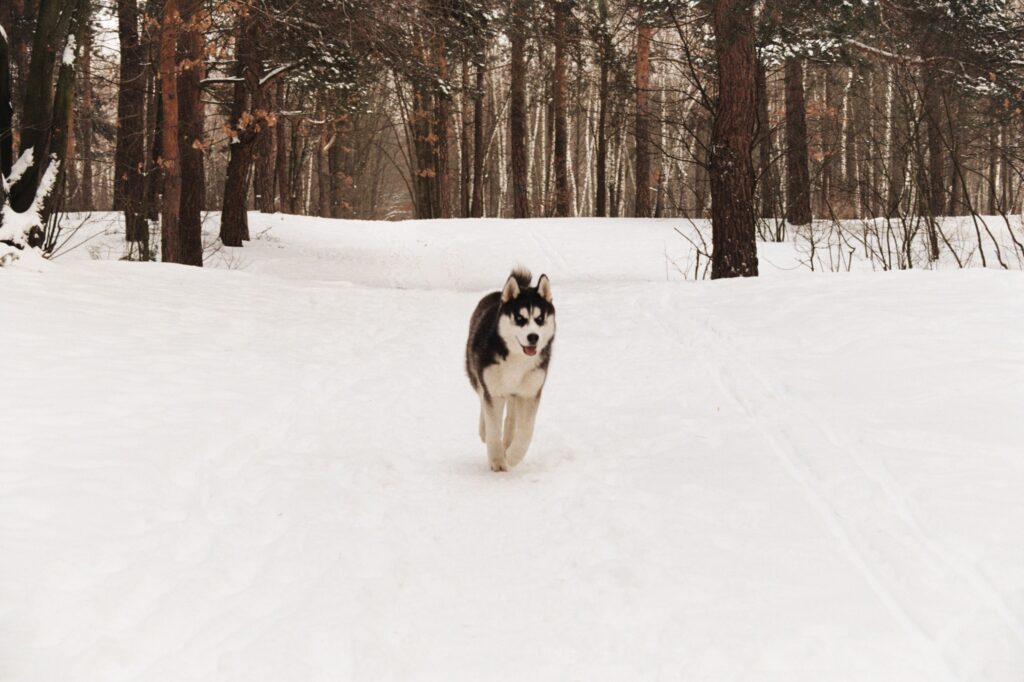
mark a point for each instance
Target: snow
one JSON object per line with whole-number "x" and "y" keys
{"x": 68, "y": 58}
{"x": 15, "y": 226}
{"x": 269, "y": 469}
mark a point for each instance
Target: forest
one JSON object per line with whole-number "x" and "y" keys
{"x": 370, "y": 340}
{"x": 761, "y": 115}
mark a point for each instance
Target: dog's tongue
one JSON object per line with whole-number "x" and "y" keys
{"x": 530, "y": 350}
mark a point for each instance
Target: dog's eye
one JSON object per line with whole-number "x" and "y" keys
{"x": 540, "y": 319}
{"x": 520, "y": 320}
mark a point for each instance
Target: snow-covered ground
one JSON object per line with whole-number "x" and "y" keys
{"x": 270, "y": 470}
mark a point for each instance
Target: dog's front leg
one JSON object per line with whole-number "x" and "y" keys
{"x": 492, "y": 412}
{"x": 510, "y": 423}
{"x": 526, "y": 414}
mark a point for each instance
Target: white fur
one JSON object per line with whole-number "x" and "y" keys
{"x": 514, "y": 385}
{"x": 516, "y": 337}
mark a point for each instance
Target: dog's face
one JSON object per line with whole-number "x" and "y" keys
{"x": 527, "y": 321}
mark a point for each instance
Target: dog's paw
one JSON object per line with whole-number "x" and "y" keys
{"x": 499, "y": 466}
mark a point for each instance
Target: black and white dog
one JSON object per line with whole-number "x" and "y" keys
{"x": 507, "y": 356}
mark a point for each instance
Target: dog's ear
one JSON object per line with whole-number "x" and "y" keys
{"x": 544, "y": 288}
{"x": 511, "y": 289}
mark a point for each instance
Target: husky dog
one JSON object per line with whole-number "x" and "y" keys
{"x": 507, "y": 355}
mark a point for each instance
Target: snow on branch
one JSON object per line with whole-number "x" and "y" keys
{"x": 15, "y": 227}
{"x": 68, "y": 58}
{"x": 23, "y": 163}
{"x": 266, "y": 78}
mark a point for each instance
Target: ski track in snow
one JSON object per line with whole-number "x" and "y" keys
{"x": 275, "y": 474}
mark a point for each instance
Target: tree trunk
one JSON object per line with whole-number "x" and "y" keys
{"x": 642, "y": 204}
{"x": 476, "y": 208}
{"x": 732, "y": 172}
{"x": 563, "y": 200}
{"x": 234, "y": 221}
{"x": 767, "y": 178}
{"x": 425, "y": 181}
{"x": 6, "y": 117}
{"x": 20, "y": 32}
{"x": 899, "y": 151}
{"x": 170, "y": 234}
{"x": 190, "y": 132}
{"x": 601, "y": 208}
{"x": 932, "y": 103}
{"x": 323, "y": 180}
{"x": 702, "y": 161}
{"x": 798, "y": 177}
{"x": 991, "y": 206}
{"x": 263, "y": 153}
{"x": 517, "y": 113}
{"x": 465, "y": 176}
{"x": 6, "y": 121}
{"x": 337, "y": 177}
{"x": 38, "y": 121}
{"x": 831, "y": 132}
{"x": 129, "y": 147}
{"x": 85, "y": 198}
{"x": 284, "y": 181}
{"x": 153, "y": 179}
{"x": 442, "y": 124}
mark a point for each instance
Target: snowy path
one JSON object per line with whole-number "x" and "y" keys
{"x": 275, "y": 474}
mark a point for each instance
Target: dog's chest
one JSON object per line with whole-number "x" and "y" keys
{"x": 515, "y": 375}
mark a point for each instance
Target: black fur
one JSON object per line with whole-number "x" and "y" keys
{"x": 485, "y": 347}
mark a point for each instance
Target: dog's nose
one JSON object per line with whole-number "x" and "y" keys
{"x": 532, "y": 338}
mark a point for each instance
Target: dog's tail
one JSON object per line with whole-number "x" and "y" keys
{"x": 522, "y": 275}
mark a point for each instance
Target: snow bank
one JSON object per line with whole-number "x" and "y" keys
{"x": 274, "y": 473}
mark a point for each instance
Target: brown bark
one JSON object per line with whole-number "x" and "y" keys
{"x": 129, "y": 146}
{"x": 190, "y": 131}
{"x": 425, "y": 181}
{"x": 831, "y": 131}
{"x": 39, "y": 128}
{"x": 732, "y": 172}
{"x": 936, "y": 189}
{"x": 702, "y": 160}
{"x": 465, "y": 176}
{"x": 443, "y": 122}
{"x": 517, "y": 113}
{"x": 60, "y": 142}
{"x": 767, "y": 178}
{"x": 153, "y": 178}
{"x": 798, "y": 177}
{"x": 855, "y": 134}
{"x": 337, "y": 177}
{"x": 476, "y": 208}
{"x": 605, "y": 48}
{"x": 263, "y": 152}
{"x": 991, "y": 204}
{"x": 899, "y": 151}
{"x": 170, "y": 236}
{"x": 245, "y": 125}
{"x": 642, "y": 204}
{"x": 85, "y": 94}
{"x": 282, "y": 174}
{"x": 6, "y": 116}
{"x": 19, "y": 32}
{"x": 563, "y": 197}
{"x": 323, "y": 181}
